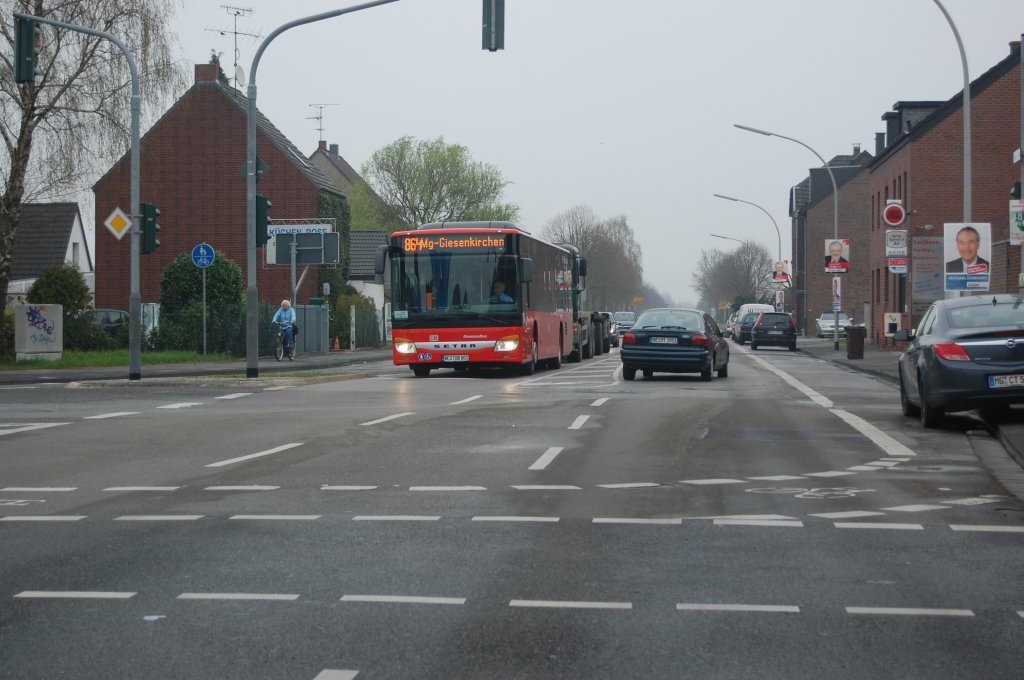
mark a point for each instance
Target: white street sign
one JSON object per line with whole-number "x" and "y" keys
{"x": 1016, "y": 223}
{"x": 118, "y": 223}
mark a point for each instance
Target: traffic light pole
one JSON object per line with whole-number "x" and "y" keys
{"x": 134, "y": 299}
{"x": 252, "y": 352}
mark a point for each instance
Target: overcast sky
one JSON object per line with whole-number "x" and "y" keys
{"x": 626, "y": 106}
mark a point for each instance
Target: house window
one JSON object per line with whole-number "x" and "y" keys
{"x": 74, "y": 255}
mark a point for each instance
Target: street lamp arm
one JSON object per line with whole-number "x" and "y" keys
{"x": 778, "y": 232}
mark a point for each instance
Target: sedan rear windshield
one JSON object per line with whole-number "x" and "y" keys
{"x": 1005, "y": 314}
{"x": 687, "y": 321}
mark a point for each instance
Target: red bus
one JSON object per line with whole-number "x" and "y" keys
{"x": 448, "y": 308}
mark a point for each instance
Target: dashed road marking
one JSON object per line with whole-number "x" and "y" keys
{"x": 546, "y": 487}
{"x": 765, "y": 608}
{"x": 75, "y": 594}
{"x": 15, "y": 428}
{"x": 329, "y": 674}
{"x": 236, "y": 395}
{"x": 157, "y": 518}
{"x": 387, "y": 418}
{"x": 878, "y": 525}
{"x": 699, "y": 482}
{"x": 849, "y": 514}
{"x": 466, "y": 400}
{"x": 601, "y": 402}
{"x": 546, "y": 458}
{"x": 40, "y": 489}
{"x": 43, "y": 518}
{"x": 268, "y": 597}
{"x": 447, "y": 488}
{"x": 250, "y": 487}
{"x": 512, "y": 518}
{"x": 628, "y": 485}
{"x": 570, "y": 604}
{"x": 282, "y": 518}
{"x": 184, "y": 404}
{"x": 916, "y": 508}
{"x": 327, "y": 487}
{"x": 759, "y": 522}
{"x": 404, "y": 599}
{"x": 909, "y": 611}
{"x": 396, "y": 518}
{"x": 637, "y": 520}
{"x": 117, "y": 414}
{"x": 578, "y": 423}
{"x": 142, "y": 488}
{"x": 260, "y": 454}
{"x": 992, "y": 528}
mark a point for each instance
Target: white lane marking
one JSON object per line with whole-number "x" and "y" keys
{"x": 40, "y": 489}
{"x": 759, "y": 522}
{"x": 26, "y": 427}
{"x": 251, "y": 487}
{"x": 917, "y": 508}
{"x": 42, "y": 518}
{"x": 512, "y": 518}
{"x": 396, "y": 518}
{"x": 466, "y": 400}
{"x": 118, "y": 414}
{"x": 404, "y": 599}
{"x": 142, "y": 488}
{"x": 772, "y": 608}
{"x": 877, "y": 525}
{"x": 570, "y": 604}
{"x": 908, "y": 611}
{"x": 712, "y": 481}
{"x": 285, "y": 518}
{"x": 628, "y": 485}
{"x": 157, "y": 518}
{"x": 329, "y": 674}
{"x": 881, "y": 464}
{"x": 775, "y": 478}
{"x": 278, "y": 388}
{"x": 447, "y": 488}
{"x": 326, "y": 487}
{"x": 236, "y": 395}
{"x": 850, "y": 514}
{"x": 800, "y": 387}
{"x": 184, "y": 404}
{"x": 637, "y": 520}
{"x": 546, "y": 487}
{"x": 546, "y": 458}
{"x": 601, "y": 402}
{"x": 980, "y": 500}
{"x": 748, "y": 517}
{"x": 279, "y": 597}
{"x": 831, "y": 473}
{"x": 260, "y": 454}
{"x": 75, "y": 594}
{"x": 987, "y": 527}
{"x": 889, "y": 445}
{"x": 578, "y": 423}
{"x": 863, "y": 468}
{"x": 387, "y": 418}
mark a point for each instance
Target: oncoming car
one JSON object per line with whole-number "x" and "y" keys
{"x": 674, "y": 341}
{"x": 966, "y": 353}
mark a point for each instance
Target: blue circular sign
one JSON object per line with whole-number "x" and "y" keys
{"x": 203, "y": 255}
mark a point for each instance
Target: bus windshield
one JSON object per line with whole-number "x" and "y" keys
{"x": 447, "y": 288}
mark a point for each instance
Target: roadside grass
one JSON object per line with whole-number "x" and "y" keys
{"x": 117, "y": 357}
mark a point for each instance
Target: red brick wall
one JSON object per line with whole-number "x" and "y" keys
{"x": 933, "y": 190}
{"x": 190, "y": 168}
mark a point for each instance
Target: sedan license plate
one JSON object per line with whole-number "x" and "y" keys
{"x": 455, "y": 357}
{"x": 1012, "y": 380}
{"x": 661, "y": 340}
{"x": 774, "y": 332}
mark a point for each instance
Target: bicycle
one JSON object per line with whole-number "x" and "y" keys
{"x": 282, "y": 348}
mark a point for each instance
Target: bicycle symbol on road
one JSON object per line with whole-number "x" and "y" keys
{"x": 797, "y": 492}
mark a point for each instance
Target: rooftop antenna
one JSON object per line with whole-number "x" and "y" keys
{"x": 319, "y": 118}
{"x": 237, "y": 12}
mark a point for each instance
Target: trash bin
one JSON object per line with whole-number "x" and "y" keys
{"x": 855, "y": 341}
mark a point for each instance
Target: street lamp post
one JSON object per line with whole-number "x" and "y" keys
{"x": 835, "y": 200}
{"x": 740, "y": 200}
{"x": 728, "y": 238}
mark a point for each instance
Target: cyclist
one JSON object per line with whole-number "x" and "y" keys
{"x": 285, "y": 318}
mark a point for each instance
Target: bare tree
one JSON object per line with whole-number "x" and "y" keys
{"x": 61, "y": 130}
{"x": 744, "y": 273}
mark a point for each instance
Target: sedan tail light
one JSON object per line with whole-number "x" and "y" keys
{"x": 699, "y": 341}
{"x": 629, "y": 339}
{"x": 950, "y": 351}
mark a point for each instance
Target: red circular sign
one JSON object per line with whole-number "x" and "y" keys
{"x": 894, "y": 214}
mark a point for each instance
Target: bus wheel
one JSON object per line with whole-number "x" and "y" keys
{"x": 420, "y": 371}
{"x": 556, "y": 363}
{"x": 531, "y": 367}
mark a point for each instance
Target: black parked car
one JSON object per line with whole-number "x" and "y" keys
{"x": 674, "y": 341}
{"x": 775, "y": 329}
{"x": 741, "y": 331}
{"x": 966, "y": 353}
{"x": 111, "y": 320}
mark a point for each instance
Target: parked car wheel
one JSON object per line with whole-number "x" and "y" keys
{"x": 705, "y": 374}
{"x": 931, "y": 416}
{"x": 753, "y": 346}
{"x": 909, "y": 408}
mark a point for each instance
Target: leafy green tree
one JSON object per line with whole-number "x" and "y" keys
{"x": 182, "y": 284}
{"x": 65, "y": 285}
{"x": 181, "y": 311}
{"x": 431, "y": 181}
{"x": 75, "y": 115}
{"x": 368, "y": 211}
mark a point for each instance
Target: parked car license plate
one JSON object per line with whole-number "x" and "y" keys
{"x": 661, "y": 340}
{"x": 1012, "y": 380}
{"x": 455, "y": 357}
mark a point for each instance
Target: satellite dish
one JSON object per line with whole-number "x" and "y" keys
{"x": 239, "y": 75}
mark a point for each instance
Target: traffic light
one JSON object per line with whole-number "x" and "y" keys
{"x": 263, "y": 218}
{"x": 1015, "y": 191}
{"x": 494, "y": 25}
{"x": 26, "y": 49}
{"x": 149, "y": 227}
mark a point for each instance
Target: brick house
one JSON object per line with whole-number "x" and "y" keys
{"x": 813, "y": 222}
{"x": 191, "y": 168}
{"x": 919, "y": 160}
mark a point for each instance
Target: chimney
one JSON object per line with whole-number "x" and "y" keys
{"x": 334, "y": 149}
{"x": 206, "y": 73}
{"x": 323, "y": 145}
{"x": 856, "y": 150}
{"x": 1014, "y": 46}
{"x": 879, "y": 143}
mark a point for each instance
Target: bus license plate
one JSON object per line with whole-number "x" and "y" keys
{"x": 1012, "y": 380}
{"x": 455, "y": 357}
{"x": 659, "y": 340}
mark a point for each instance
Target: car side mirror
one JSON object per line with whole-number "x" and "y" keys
{"x": 902, "y": 335}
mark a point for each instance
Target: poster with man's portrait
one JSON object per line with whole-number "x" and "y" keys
{"x": 837, "y": 255}
{"x": 967, "y": 251}
{"x": 781, "y": 273}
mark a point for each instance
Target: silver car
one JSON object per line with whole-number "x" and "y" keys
{"x": 826, "y": 324}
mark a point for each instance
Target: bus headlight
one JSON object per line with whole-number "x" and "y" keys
{"x": 507, "y": 344}
{"x": 403, "y": 346}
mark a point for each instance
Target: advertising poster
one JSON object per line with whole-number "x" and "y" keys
{"x": 926, "y": 272}
{"x": 837, "y": 293}
{"x": 1016, "y": 223}
{"x": 781, "y": 273}
{"x": 896, "y": 246}
{"x": 967, "y": 251}
{"x": 837, "y": 255}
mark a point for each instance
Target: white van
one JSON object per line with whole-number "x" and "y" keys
{"x": 751, "y": 308}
